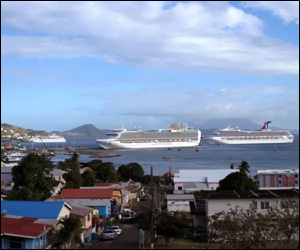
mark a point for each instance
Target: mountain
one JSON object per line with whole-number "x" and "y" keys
{"x": 14, "y": 128}
{"x": 234, "y": 122}
{"x": 86, "y": 130}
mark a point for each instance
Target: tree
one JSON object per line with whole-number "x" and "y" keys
{"x": 132, "y": 171}
{"x": 88, "y": 178}
{"x": 107, "y": 172}
{"x": 238, "y": 180}
{"x": 172, "y": 226}
{"x": 31, "y": 179}
{"x": 247, "y": 229}
{"x": 72, "y": 166}
{"x": 71, "y": 225}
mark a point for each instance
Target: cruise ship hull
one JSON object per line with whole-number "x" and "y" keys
{"x": 252, "y": 141}
{"x": 114, "y": 144}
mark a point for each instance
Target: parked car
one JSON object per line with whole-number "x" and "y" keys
{"x": 144, "y": 198}
{"x": 127, "y": 216}
{"x": 117, "y": 229}
{"x": 109, "y": 235}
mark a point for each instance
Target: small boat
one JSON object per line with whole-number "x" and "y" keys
{"x": 179, "y": 149}
{"x": 169, "y": 149}
{"x": 168, "y": 158}
{"x": 197, "y": 150}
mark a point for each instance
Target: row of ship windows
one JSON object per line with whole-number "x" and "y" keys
{"x": 252, "y": 138}
{"x": 146, "y": 141}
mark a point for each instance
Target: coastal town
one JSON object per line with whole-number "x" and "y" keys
{"x": 150, "y": 125}
{"x": 104, "y": 200}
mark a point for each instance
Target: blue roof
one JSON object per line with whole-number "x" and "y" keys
{"x": 32, "y": 209}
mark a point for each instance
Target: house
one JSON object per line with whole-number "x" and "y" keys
{"x": 56, "y": 186}
{"x": 124, "y": 190}
{"x": 103, "y": 206}
{"x": 57, "y": 175}
{"x": 85, "y": 214}
{"x": 180, "y": 203}
{"x": 212, "y": 202}
{"x": 278, "y": 179}
{"x": 19, "y": 232}
{"x": 117, "y": 193}
{"x": 187, "y": 181}
{"x": 37, "y": 209}
{"x": 6, "y": 173}
{"x": 91, "y": 194}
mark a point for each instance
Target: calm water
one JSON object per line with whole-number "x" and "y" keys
{"x": 286, "y": 156}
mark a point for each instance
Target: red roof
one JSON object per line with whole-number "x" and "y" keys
{"x": 23, "y": 227}
{"x": 92, "y": 193}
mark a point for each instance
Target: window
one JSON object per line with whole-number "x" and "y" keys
{"x": 179, "y": 188}
{"x": 264, "y": 205}
{"x": 254, "y": 204}
{"x": 88, "y": 218}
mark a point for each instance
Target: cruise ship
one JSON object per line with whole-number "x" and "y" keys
{"x": 265, "y": 135}
{"x": 52, "y": 138}
{"x": 175, "y": 137}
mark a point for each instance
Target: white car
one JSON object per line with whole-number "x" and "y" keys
{"x": 109, "y": 235}
{"x": 117, "y": 229}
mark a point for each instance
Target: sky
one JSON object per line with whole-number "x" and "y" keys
{"x": 148, "y": 64}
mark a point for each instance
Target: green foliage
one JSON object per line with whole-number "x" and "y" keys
{"x": 104, "y": 171}
{"x": 88, "y": 178}
{"x": 31, "y": 179}
{"x": 239, "y": 180}
{"x": 132, "y": 171}
{"x": 172, "y": 226}
{"x": 142, "y": 220}
{"x": 70, "y": 226}
{"x": 72, "y": 177}
{"x": 146, "y": 179}
{"x": 247, "y": 229}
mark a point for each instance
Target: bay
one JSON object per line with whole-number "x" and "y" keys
{"x": 260, "y": 157}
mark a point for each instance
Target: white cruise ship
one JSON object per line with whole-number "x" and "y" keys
{"x": 231, "y": 135}
{"x": 52, "y": 138}
{"x": 175, "y": 137}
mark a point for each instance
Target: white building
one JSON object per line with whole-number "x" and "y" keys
{"x": 187, "y": 181}
{"x": 212, "y": 202}
{"x": 180, "y": 203}
{"x": 278, "y": 179}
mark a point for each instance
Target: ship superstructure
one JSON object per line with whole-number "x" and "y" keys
{"x": 175, "y": 137}
{"x": 265, "y": 135}
{"x": 52, "y": 138}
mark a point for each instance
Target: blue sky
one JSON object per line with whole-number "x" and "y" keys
{"x": 148, "y": 64}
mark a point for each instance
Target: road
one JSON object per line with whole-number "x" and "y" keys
{"x": 130, "y": 235}
{"x": 128, "y": 240}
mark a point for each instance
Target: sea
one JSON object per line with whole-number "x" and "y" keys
{"x": 206, "y": 156}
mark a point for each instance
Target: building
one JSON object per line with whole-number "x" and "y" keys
{"x": 212, "y": 202}
{"x": 85, "y": 214}
{"x": 37, "y": 209}
{"x": 187, "y": 181}
{"x": 278, "y": 179}
{"x": 19, "y": 232}
{"x": 180, "y": 203}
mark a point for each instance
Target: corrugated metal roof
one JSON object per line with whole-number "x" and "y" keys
{"x": 88, "y": 202}
{"x": 33, "y": 209}
{"x": 92, "y": 193}
{"x": 23, "y": 227}
{"x": 180, "y": 197}
{"x": 80, "y": 210}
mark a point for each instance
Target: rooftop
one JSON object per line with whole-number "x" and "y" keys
{"x": 23, "y": 227}
{"x": 33, "y": 209}
{"x": 91, "y": 193}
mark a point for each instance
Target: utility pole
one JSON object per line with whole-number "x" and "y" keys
{"x": 151, "y": 212}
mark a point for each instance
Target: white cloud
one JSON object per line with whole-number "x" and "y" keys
{"x": 198, "y": 36}
{"x": 288, "y": 11}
